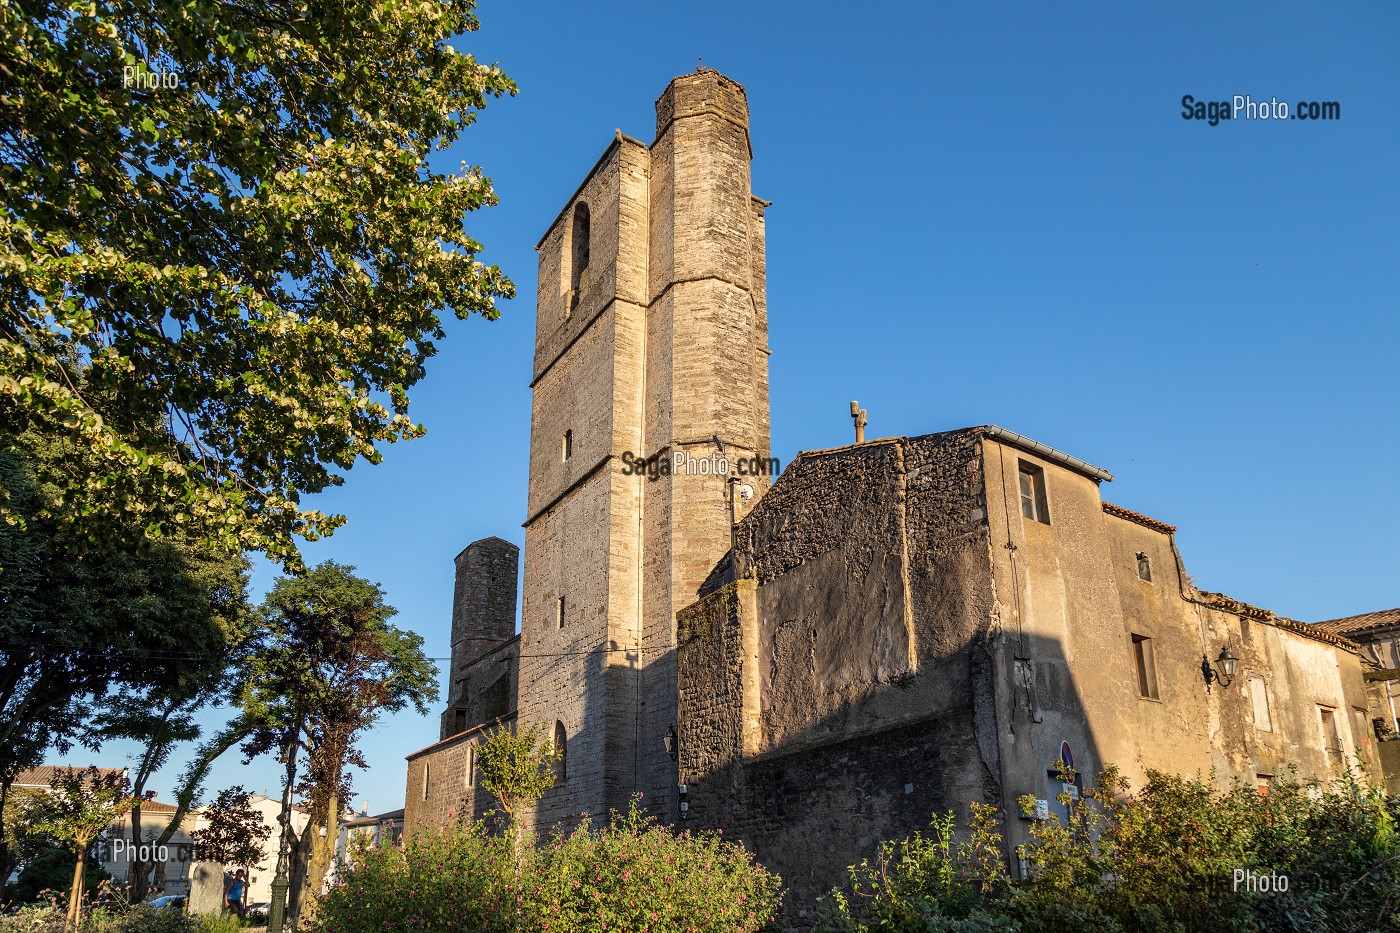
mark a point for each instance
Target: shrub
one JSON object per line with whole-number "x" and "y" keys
{"x": 1167, "y": 860}
{"x": 632, "y": 875}
{"x": 635, "y": 875}
{"x": 34, "y": 918}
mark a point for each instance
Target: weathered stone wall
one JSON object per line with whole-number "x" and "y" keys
{"x": 827, "y": 701}
{"x": 1071, "y": 601}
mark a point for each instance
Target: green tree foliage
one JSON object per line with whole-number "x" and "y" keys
{"x": 82, "y": 805}
{"x": 50, "y": 868}
{"x": 234, "y": 832}
{"x": 325, "y": 665}
{"x": 516, "y": 766}
{"x": 117, "y": 641}
{"x": 227, "y": 212}
{"x": 1176, "y": 857}
{"x": 631, "y": 875}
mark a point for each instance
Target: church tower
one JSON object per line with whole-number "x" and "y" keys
{"x": 651, "y": 342}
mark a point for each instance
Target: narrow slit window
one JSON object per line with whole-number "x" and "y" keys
{"x": 559, "y": 612}
{"x": 469, "y": 778}
{"x": 1144, "y": 564}
{"x": 568, "y": 444}
{"x": 1033, "y": 503}
{"x": 1146, "y": 667}
{"x": 561, "y": 747}
{"x": 580, "y": 236}
{"x": 427, "y": 779}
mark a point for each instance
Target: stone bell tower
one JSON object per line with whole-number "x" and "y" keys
{"x": 651, "y": 342}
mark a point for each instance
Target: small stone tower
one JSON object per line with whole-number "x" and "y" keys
{"x": 651, "y": 341}
{"x": 483, "y": 618}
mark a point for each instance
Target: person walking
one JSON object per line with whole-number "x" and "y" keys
{"x": 233, "y": 894}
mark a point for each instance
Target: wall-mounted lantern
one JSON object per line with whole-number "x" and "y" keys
{"x": 669, "y": 740}
{"x": 1223, "y": 670}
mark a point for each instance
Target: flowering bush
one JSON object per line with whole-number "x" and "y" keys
{"x": 632, "y": 875}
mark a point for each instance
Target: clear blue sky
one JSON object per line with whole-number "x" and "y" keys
{"x": 980, "y": 215}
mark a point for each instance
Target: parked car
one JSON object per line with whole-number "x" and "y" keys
{"x": 171, "y": 900}
{"x": 257, "y": 911}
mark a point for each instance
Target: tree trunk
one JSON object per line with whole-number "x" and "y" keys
{"x": 301, "y": 862}
{"x": 319, "y": 863}
{"x": 75, "y": 893}
{"x": 8, "y": 862}
{"x": 138, "y": 869}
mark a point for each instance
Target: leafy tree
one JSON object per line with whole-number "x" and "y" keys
{"x": 50, "y": 868}
{"x": 236, "y": 832}
{"x": 251, "y": 255}
{"x": 137, "y": 631}
{"x": 84, "y": 803}
{"x": 325, "y": 666}
{"x": 24, "y": 810}
{"x": 516, "y": 766}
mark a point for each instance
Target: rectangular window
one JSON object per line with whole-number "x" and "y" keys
{"x": 559, "y": 612}
{"x": 1146, "y": 667}
{"x": 1331, "y": 738}
{"x": 1364, "y": 730}
{"x": 1259, "y": 697}
{"x": 568, "y": 445}
{"x": 1033, "y": 504}
{"x": 1263, "y": 782}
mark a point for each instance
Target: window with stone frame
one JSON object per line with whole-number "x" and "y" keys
{"x": 1034, "y": 504}
{"x": 1331, "y": 736}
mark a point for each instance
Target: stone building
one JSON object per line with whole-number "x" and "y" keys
{"x": 895, "y": 627}
{"x": 1378, "y": 634}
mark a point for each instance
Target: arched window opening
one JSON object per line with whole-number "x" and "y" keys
{"x": 579, "y": 266}
{"x": 561, "y": 746}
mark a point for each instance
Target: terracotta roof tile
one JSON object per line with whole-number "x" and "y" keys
{"x": 44, "y": 775}
{"x": 1119, "y": 512}
{"x": 1365, "y": 622}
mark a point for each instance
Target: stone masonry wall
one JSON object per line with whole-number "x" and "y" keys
{"x": 443, "y": 782}
{"x": 811, "y": 749}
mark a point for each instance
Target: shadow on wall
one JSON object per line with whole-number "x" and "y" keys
{"x": 826, "y": 796}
